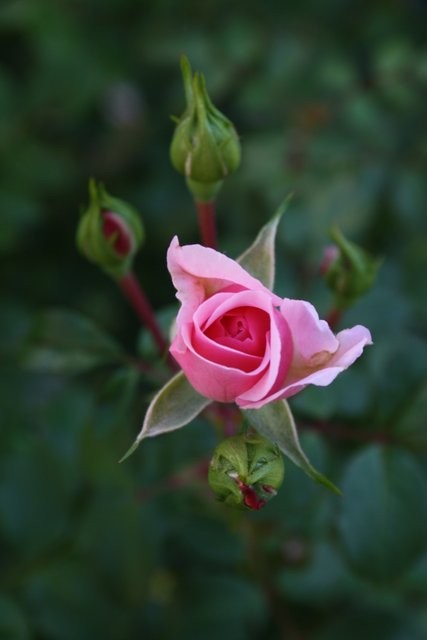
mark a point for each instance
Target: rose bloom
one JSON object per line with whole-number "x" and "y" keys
{"x": 236, "y": 341}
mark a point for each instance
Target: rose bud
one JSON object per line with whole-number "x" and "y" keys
{"x": 330, "y": 254}
{"x": 246, "y": 471}
{"x": 110, "y": 231}
{"x": 351, "y": 273}
{"x": 205, "y": 147}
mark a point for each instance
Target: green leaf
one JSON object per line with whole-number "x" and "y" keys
{"x": 65, "y": 342}
{"x": 36, "y": 486}
{"x": 259, "y": 258}
{"x": 174, "y": 406}
{"x": 13, "y": 623}
{"x": 275, "y": 421}
{"x": 410, "y": 427}
{"x": 383, "y": 521}
{"x": 321, "y": 578}
{"x": 67, "y": 600}
{"x": 370, "y": 623}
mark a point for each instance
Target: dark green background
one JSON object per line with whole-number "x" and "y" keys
{"x": 329, "y": 98}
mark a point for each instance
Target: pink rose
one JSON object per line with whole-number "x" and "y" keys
{"x": 236, "y": 341}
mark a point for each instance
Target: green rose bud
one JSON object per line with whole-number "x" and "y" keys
{"x": 350, "y": 272}
{"x": 246, "y": 471}
{"x": 110, "y": 231}
{"x": 205, "y": 147}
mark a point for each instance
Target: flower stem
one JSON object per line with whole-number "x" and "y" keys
{"x": 348, "y": 433}
{"x": 196, "y": 473}
{"x": 226, "y": 418}
{"x": 134, "y": 293}
{"x": 333, "y": 318}
{"x": 207, "y": 223}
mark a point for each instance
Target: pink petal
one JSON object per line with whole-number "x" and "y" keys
{"x": 351, "y": 345}
{"x": 243, "y": 329}
{"x": 214, "y": 380}
{"x": 257, "y": 306}
{"x": 223, "y": 354}
{"x": 282, "y": 352}
{"x": 198, "y": 272}
{"x": 222, "y": 373}
{"x": 352, "y": 341}
{"x": 310, "y": 335}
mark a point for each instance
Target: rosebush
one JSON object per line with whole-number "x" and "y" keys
{"x": 237, "y": 341}
{"x": 329, "y": 101}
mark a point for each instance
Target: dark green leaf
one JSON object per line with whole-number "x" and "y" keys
{"x": 35, "y": 490}
{"x": 13, "y": 624}
{"x": 370, "y": 624}
{"x": 383, "y": 520}
{"x": 320, "y": 579}
{"x": 68, "y": 601}
{"x": 411, "y": 427}
{"x": 66, "y": 342}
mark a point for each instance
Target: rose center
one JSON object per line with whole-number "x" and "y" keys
{"x": 235, "y": 327}
{"x": 243, "y": 329}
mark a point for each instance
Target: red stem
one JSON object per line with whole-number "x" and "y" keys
{"x": 207, "y": 223}
{"x": 186, "y": 477}
{"x": 226, "y": 417}
{"x": 343, "y": 432}
{"x": 333, "y": 318}
{"x": 133, "y": 291}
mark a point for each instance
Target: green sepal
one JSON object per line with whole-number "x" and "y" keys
{"x": 275, "y": 422}
{"x": 174, "y": 406}
{"x": 260, "y": 258}
{"x": 352, "y": 273}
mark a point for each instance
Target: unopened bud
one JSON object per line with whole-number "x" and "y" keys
{"x": 352, "y": 271}
{"x": 246, "y": 471}
{"x": 109, "y": 232}
{"x": 205, "y": 147}
{"x": 330, "y": 254}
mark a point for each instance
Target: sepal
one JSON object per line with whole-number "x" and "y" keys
{"x": 174, "y": 406}
{"x": 276, "y": 423}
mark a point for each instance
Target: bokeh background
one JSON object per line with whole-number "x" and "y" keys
{"x": 329, "y": 98}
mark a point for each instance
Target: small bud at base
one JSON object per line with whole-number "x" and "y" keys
{"x": 246, "y": 471}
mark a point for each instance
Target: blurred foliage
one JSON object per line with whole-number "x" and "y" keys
{"x": 329, "y": 99}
